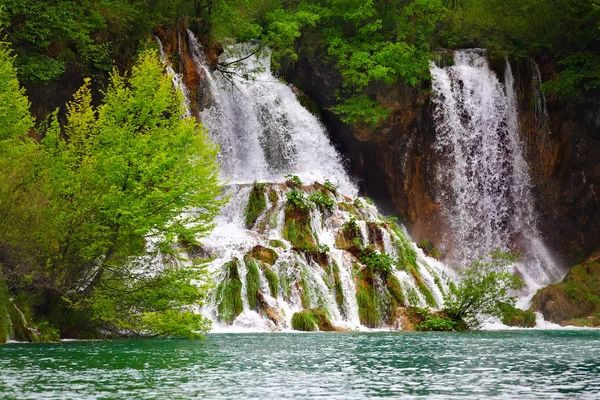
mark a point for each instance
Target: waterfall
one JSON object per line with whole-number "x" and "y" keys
{"x": 486, "y": 188}
{"x": 263, "y": 131}
{"x": 283, "y": 259}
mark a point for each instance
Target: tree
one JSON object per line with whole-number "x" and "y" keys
{"x": 484, "y": 289}
{"x": 131, "y": 180}
{"x": 23, "y": 196}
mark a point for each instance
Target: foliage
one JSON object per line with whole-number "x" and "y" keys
{"x": 351, "y": 228}
{"x": 484, "y": 288}
{"x": 257, "y": 203}
{"x": 293, "y": 180}
{"x": 567, "y": 30}
{"x": 303, "y": 321}
{"x": 330, "y": 186}
{"x": 296, "y": 199}
{"x": 513, "y": 316}
{"x": 361, "y": 109}
{"x": 322, "y": 200}
{"x": 377, "y": 262}
{"x": 107, "y": 198}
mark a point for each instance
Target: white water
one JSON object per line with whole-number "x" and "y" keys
{"x": 487, "y": 188}
{"x": 263, "y": 131}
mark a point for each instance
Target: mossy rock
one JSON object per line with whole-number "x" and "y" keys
{"x": 272, "y": 280}
{"x": 252, "y": 282}
{"x": 297, "y": 228}
{"x": 513, "y": 316}
{"x": 394, "y": 288}
{"x": 264, "y": 254}
{"x": 577, "y": 297}
{"x": 422, "y": 287}
{"x": 367, "y": 299}
{"x": 17, "y": 321}
{"x": 303, "y": 321}
{"x": 229, "y": 293}
{"x": 311, "y": 320}
{"x": 277, "y": 244}
{"x": 333, "y": 272}
{"x": 257, "y": 203}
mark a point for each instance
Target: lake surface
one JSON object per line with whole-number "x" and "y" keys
{"x": 508, "y": 364}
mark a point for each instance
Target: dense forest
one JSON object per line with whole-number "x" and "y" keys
{"x": 111, "y": 174}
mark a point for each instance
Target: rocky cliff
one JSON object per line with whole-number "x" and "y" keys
{"x": 397, "y": 165}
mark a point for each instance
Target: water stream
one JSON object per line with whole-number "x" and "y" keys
{"x": 486, "y": 187}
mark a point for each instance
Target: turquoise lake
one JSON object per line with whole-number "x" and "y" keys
{"x": 519, "y": 364}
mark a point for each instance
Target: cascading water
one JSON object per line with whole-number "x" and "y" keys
{"x": 486, "y": 185}
{"x": 284, "y": 259}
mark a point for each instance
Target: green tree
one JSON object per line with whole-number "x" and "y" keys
{"x": 131, "y": 180}
{"x": 23, "y": 196}
{"x": 484, "y": 289}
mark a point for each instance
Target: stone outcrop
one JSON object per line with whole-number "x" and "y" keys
{"x": 576, "y": 300}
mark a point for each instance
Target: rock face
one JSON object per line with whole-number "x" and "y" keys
{"x": 396, "y": 162}
{"x": 576, "y": 300}
{"x": 181, "y": 51}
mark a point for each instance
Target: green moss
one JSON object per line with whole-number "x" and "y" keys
{"x": 577, "y": 297}
{"x": 337, "y": 285}
{"x": 252, "y": 282}
{"x": 277, "y": 244}
{"x": 395, "y": 289}
{"x": 513, "y": 316}
{"x": 229, "y": 293}
{"x": 422, "y": 287}
{"x": 297, "y": 228}
{"x": 412, "y": 296}
{"x": 257, "y": 203}
{"x": 349, "y": 208}
{"x": 273, "y": 196}
{"x": 305, "y": 292}
{"x": 285, "y": 281}
{"x": 334, "y": 283}
{"x": 272, "y": 279}
{"x": 263, "y": 254}
{"x": 311, "y": 319}
{"x": 303, "y": 321}
{"x": 367, "y": 300}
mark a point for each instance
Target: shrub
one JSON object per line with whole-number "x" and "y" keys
{"x": 351, "y": 228}
{"x": 293, "y": 180}
{"x": 296, "y": 199}
{"x": 483, "y": 290}
{"x": 330, "y": 186}
{"x": 322, "y": 201}
{"x": 377, "y": 262}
